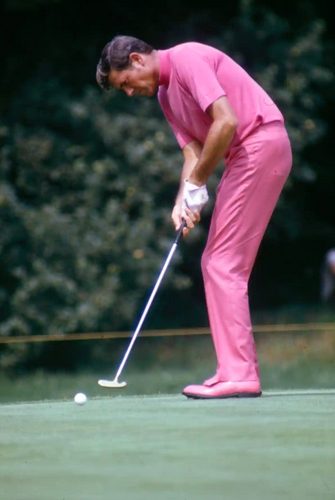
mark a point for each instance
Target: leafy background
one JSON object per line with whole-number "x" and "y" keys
{"x": 87, "y": 180}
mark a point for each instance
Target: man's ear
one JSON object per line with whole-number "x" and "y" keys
{"x": 136, "y": 57}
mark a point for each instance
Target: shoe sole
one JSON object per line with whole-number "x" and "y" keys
{"x": 225, "y": 396}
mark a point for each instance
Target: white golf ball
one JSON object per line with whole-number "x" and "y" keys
{"x": 80, "y": 398}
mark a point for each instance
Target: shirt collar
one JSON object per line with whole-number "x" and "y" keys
{"x": 164, "y": 67}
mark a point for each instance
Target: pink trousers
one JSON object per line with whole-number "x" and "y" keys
{"x": 246, "y": 197}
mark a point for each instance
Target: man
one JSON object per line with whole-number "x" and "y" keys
{"x": 217, "y": 112}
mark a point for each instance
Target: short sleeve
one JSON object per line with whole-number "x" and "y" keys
{"x": 197, "y": 74}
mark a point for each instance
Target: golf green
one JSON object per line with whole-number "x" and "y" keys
{"x": 280, "y": 446}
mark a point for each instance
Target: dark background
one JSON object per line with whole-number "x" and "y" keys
{"x": 73, "y": 261}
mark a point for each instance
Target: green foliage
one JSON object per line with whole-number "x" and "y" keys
{"x": 86, "y": 196}
{"x": 87, "y": 180}
{"x": 292, "y": 67}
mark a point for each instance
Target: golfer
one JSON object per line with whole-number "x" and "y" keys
{"x": 217, "y": 112}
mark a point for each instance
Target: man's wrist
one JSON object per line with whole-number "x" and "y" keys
{"x": 195, "y": 182}
{"x": 179, "y": 199}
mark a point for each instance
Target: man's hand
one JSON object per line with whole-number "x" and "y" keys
{"x": 188, "y": 208}
{"x": 194, "y": 197}
{"x": 191, "y": 218}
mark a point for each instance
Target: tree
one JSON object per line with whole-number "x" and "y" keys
{"x": 86, "y": 198}
{"x": 88, "y": 181}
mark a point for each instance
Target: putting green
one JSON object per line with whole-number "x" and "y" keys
{"x": 166, "y": 447}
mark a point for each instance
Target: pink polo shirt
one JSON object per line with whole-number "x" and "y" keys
{"x": 193, "y": 76}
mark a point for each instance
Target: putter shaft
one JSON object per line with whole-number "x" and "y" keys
{"x": 106, "y": 383}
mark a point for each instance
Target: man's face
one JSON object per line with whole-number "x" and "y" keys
{"x": 139, "y": 78}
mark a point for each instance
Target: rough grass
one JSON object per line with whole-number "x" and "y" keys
{"x": 287, "y": 361}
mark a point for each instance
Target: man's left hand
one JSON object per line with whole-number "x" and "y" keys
{"x": 194, "y": 197}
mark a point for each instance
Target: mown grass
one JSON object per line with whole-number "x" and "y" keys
{"x": 169, "y": 448}
{"x": 141, "y": 443}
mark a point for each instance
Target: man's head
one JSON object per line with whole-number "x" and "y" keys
{"x": 130, "y": 65}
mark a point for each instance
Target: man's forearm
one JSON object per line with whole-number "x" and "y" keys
{"x": 216, "y": 144}
{"x": 186, "y": 171}
{"x": 191, "y": 153}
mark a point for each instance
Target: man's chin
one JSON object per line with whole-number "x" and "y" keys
{"x": 147, "y": 94}
{"x": 152, "y": 91}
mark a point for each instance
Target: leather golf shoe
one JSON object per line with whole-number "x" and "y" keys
{"x": 212, "y": 380}
{"x": 220, "y": 390}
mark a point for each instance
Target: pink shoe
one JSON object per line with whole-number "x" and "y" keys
{"x": 248, "y": 389}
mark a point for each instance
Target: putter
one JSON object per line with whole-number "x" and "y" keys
{"x": 115, "y": 382}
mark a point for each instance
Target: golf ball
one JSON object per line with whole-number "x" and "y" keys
{"x": 80, "y": 398}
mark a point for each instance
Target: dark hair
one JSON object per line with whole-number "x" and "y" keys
{"x": 115, "y": 55}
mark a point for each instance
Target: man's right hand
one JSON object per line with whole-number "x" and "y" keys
{"x": 191, "y": 218}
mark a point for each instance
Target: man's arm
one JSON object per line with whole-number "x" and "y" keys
{"x": 191, "y": 153}
{"x": 218, "y": 139}
{"x": 200, "y": 161}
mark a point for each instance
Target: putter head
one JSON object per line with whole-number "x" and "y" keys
{"x": 113, "y": 384}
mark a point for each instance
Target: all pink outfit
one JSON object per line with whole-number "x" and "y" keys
{"x": 193, "y": 76}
